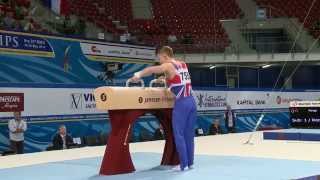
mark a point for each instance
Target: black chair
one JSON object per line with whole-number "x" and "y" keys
{"x": 91, "y": 140}
{"x": 50, "y": 148}
{"x": 145, "y": 136}
{"x": 103, "y": 139}
{"x": 199, "y": 132}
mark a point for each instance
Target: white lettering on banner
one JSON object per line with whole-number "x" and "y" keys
{"x": 9, "y": 41}
{"x": 9, "y": 99}
{"x": 118, "y": 50}
{"x": 315, "y": 120}
{"x": 305, "y": 104}
{"x": 305, "y": 120}
{"x": 312, "y": 110}
{"x": 251, "y": 102}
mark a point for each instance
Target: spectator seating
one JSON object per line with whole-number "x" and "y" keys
{"x": 19, "y": 10}
{"x": 294, "y": 8}
{"x": 197, "y": 19}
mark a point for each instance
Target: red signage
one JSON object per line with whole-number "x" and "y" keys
{"x": 11, "y": 102}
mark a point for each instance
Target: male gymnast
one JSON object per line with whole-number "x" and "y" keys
{"x": 184, "y": 113}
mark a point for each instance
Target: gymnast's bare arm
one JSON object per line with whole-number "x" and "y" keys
{"x": 166, "y": 68}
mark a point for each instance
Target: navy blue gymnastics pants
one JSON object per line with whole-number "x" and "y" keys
{"x": 184, "y": 117}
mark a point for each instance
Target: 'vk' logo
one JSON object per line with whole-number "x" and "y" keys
{"x": 76, "y": 101}
{"x": 201, "y": 100}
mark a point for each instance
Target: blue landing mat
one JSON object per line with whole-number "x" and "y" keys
{"x": 293, "y": 135}
{"x": 206, "y": 167}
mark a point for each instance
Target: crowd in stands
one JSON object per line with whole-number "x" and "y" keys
{"x": 16, "y": 15}
{"x": 70, "y": 28}
{"x": 195, "y": 27}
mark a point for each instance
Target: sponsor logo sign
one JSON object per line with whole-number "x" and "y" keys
{"x": 11, "y": 102}
{"x": 286, "y": 100}
{"x": 118, "y": 52}
{"x": 150, "y": 100}
{"x": 207, "y": 100}
{"x": 15, "y": 43}
{"x": 82, "y": 101}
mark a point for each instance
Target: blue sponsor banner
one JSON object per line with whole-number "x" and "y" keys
{"x": 23, "y": 44}
{"x": 39, "y": 60}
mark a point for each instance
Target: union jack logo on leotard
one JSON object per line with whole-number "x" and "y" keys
{"x": 180, "y": 84}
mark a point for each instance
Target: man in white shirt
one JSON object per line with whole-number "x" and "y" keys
{"x": 17, "y": 127}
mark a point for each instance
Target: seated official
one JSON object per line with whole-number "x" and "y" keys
{"x": 215, "y": 128}
{"x": 62, "y": 140}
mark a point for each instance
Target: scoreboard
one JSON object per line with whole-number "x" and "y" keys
{"x": 305, "y": 114}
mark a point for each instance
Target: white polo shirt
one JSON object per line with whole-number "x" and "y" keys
{"x": 13, "y": 126}
{"x": 230, "y": 119}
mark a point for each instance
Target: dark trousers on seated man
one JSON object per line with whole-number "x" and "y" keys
{"x": 17, "y": 146}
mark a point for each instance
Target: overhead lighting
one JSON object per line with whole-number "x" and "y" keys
{"x": 266, "y": 66}
{"x": 212, "y": 67}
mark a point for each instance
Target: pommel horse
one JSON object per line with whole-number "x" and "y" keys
{"x": 125, "y": 105}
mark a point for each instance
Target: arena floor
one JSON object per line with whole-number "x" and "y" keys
{"x": 221, "y": 157}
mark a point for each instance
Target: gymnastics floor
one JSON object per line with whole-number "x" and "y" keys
{"x": 221, "y": 157}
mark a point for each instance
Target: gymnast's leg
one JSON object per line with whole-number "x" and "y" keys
{"x": 179, "y": 118}
{"x": 189, "y": 131}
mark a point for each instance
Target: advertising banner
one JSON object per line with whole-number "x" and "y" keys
{"x": 217, "y": 100}
{"x": 11, "y": 102}
{"x": 70, "y": 101}
{"x": 118, "y": 52}
{"x": 41, "y": 59}
{"x": 24, "y": 44}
